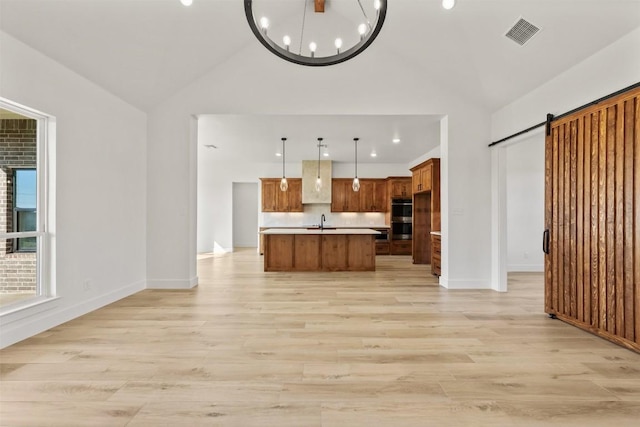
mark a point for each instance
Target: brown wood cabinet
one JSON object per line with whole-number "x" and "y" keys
{"x": 423, "y": 177}
{"x": 372, "y": 196}
{"x": 436, "y": 250}
{"x": 401, "y": 247}
{"x": 399, "y": 187}
{"x": 383, "y": 248}
{"x": 319, "y": 252}
{"x": 275, "y": 200}
{"x": 343, "y": 198}
{"x": 426, "y": 208}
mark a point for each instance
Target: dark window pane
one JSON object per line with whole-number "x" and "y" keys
{"x": 26, "y": 221}
{"x": 27, "y": 244}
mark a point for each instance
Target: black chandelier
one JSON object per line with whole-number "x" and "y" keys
{"x": 313, "y": 33}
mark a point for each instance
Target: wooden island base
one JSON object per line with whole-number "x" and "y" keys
{"x": 319, "y": 252}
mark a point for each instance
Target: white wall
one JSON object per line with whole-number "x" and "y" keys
{"x": 349, "y": 88}
{"x": 607, "y": 71}
{"x": 101, "y": 187}
{"x": 525, "y": 204}
{"x": 245, "y": 215}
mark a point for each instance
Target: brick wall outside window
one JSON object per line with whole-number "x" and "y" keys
{"x": 17, "y": 150}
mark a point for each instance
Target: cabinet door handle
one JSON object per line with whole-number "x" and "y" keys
{"x": 545, "y": 241}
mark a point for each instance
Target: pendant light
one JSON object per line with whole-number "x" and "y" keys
{"x": 284, "y": 185}
{"x": 356, "y": 181}
{"x": 318, "y": 180}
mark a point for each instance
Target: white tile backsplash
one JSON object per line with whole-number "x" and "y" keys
{"x": 312, "y": 213}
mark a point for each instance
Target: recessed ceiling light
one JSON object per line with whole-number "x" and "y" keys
{"x": 396, "y": 140}
{"x": 448, "y": 4}
{"x": 325, "y": 154}
{"x": 279, "y": 154}
{"x": 186, "y": 2}
{"x": 373, "y": 154}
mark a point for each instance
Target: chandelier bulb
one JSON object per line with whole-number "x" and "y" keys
{"x": 264, "y": 24}
{"x": 377, "y": 5}
{"x": 338, "y": 44}
{"x": 312, "y": 47}
{"x": 287, "y": 41}
{"x": 362, "y": 29}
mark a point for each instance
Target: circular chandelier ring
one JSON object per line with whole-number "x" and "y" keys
{"x": 315, "y": 61}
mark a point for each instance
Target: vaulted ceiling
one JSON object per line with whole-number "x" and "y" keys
{"x": 144, "y": 51}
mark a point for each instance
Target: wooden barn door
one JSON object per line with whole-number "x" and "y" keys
{"x": 592, "y": 219}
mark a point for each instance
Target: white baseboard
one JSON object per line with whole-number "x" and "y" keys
{"x": 525, "y": 268}
{"x": 29, "y": 324}
{"x": 172, "y": 283}
{"x": 463, "y": 284}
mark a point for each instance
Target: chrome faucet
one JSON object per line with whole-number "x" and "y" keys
{"x": 322, "y": 219}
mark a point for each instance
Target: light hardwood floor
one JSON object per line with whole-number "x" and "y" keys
{"x": 384, "y": 348}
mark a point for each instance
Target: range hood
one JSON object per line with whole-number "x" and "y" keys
{"x": 309, "y": 175}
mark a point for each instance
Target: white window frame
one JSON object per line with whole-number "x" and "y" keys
{"x": 45, "y": 216}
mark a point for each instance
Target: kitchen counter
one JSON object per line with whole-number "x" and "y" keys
{"x": 286, "y": 227}
{"x": 327, "y": 230}
{"x": 302, "y": 249}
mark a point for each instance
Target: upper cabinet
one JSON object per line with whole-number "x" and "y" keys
{"x": 343, "y": 198}
{"x": 423, "y": 176}
{"x": 372, "y": 196}
{"x": 399, "y": 187}
{"x": 275, "y": 200}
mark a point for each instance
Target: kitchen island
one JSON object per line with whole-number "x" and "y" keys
{"x": 315, "y": 249}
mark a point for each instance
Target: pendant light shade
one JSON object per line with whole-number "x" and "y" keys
{"x": 356, "y": 182}
{"x": 318, "y": 180}
{"x": 284, "y": 185}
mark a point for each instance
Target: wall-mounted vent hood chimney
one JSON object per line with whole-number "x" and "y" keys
{"x": 309, "y": 175}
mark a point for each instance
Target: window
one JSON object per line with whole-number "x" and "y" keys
{"x": 25, "y": 224}
{"x": 24, "y": 207}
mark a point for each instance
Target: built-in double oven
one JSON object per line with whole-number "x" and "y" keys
{"x": 401, "y": 213}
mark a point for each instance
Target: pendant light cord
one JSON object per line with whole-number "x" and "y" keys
{"x": 283, "y": 140}
{"x": 365, "y": 14}
{"x": 304, "y": 18}
{"x": 356, "y": 141}
{"x": 319, "y": 145}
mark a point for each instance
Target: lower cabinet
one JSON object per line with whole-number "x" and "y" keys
{"x": 435, "y": 254}
{"x": 316, "y": 252}
{"x": 400, "y": 247}
{"x": 382, "y": 248}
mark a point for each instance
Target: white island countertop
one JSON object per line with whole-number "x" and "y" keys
{"x": 318, "y": 231}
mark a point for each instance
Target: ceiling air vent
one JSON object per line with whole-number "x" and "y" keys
{"x": 522, "y": 31}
